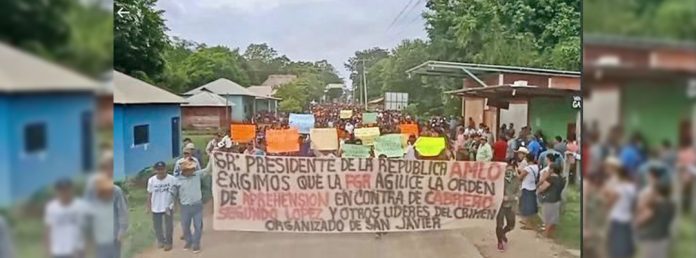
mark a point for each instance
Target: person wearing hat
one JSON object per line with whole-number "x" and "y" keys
{"x": 187, "y": 192}
{"x": 213, "y": 143}
{"x": 484, "y": 151}
{"x": 187, "y": 156}
{"x": 64, "y": 219}
{"x": 160, "y": 204}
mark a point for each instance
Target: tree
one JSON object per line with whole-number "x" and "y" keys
{"x": 262, "y": 61}
{"x": 515, "y": 32}
{"x": 368, "y": 57}
{"x": 73, "y": 33}
{"x": 36, "y": 25}
{"x": 211, "y": 63}
{"x": 667, "y": 19}
{"x": 139, "y": 38}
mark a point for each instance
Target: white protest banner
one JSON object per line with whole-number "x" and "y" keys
{"x": 324, "y": 138}
{"x": 336, "y": 195}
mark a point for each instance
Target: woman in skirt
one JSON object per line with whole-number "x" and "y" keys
{"x": 621, "y": 197}
{"x": 550, "y": 191}
{"x": 528, "y": 198}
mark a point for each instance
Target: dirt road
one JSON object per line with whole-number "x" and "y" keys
{"x": 469, "y": 243}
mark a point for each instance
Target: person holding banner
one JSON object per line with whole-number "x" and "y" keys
{"x": 212, "y": 144}
{"x": 187, "y": 193}
{"x": 505, "y": 220}
{"x": 188, "y": 157}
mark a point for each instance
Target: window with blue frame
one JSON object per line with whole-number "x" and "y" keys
{"x": 35, "y": 137}
{"x": 141, "y": 134}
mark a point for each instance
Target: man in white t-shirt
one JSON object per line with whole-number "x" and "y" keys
{"x": 64, "y": 217}
{"x": 161, "y": 204}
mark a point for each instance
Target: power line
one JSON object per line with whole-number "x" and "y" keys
{"x": 399, "y": 15}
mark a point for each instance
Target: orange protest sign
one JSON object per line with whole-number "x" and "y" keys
{"x": 409, "y": 129}
{"x": 243, "y": 132}
{"x": 283, "y": 140}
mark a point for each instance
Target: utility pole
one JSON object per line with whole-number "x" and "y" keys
{"x": 364, "y": 82}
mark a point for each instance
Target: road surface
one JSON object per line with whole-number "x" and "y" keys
{"x": 468, "y": 243}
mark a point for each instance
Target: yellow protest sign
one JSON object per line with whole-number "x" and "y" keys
{"x": 367, "y": 135}
{"x": 346, "y": 114}
{"x": 430, "y": 146}
{"x": 324, "y": 138}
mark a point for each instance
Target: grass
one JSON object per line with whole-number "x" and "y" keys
{"x": 569, "y": 229}
{"x": 683, "y": 243}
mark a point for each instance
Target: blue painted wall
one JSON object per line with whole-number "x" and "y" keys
{"x": 5, "y": 194}
{"x": 243, "y": 107}
{"x": 129, "y": 158}
{"x": 62, "y": 113}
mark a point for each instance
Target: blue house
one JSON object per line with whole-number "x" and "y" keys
{"x": 46, "y": 124}
{"x": 147, "y": 125}
{"x": 243, "y": 99}
{"x": 265, "y": 101}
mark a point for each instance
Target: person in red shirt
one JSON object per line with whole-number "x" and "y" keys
{"x": 500, "y": 149}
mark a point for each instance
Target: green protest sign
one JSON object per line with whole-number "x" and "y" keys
{"x": 355, "y": 151}
{"x": 389, "y": 145}
{"x": 369, "y": 118}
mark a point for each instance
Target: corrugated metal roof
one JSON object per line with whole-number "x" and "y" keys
{"x": 23, "y": 72}
{"x": 206, "y": 98}
{"x": 129, "y": 90}
{"x": 638, "y": 42}
{"x": 263, "y": 92}
{"x": 222, "y": 86}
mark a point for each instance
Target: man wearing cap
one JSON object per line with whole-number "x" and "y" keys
{"x": 188, "y": 156}
{"x": 187, "y": 192}
{"x": 160, "y": 203}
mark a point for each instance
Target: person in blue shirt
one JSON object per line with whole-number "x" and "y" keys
{"x": 631, "y": 156}
{"x": 534, "y": 147}
{"x": 549, "y": 150}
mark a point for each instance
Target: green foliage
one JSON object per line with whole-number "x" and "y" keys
{"x": 69, "y": 32}
{"x": 670, "y": 19}
{"x": 515, "y": 32}
{"x": 300, "y": 92}
{"x": 208, "y": 64}
{"x": 36, "y": 25}
{"x": 369, "y": 58}
{"x": 139, "y": 38}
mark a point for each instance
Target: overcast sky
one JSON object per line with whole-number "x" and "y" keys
{"x": 307, "y": 30}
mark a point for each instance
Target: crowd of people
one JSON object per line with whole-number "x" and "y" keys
{"x": 635, "y": 193}
{"x": 537, "y": 173}
{"x": 538, "y": 169}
